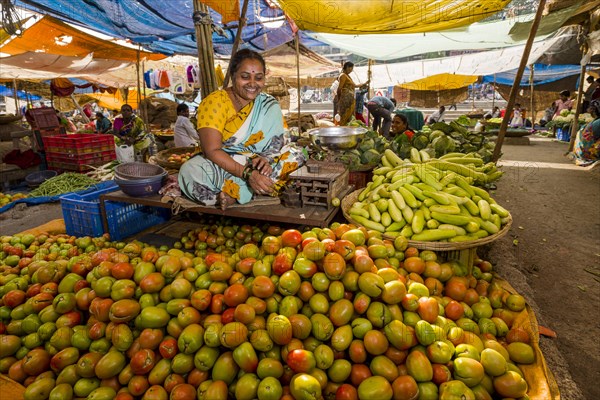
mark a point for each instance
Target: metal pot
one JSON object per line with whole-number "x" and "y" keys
{"x": 337, "y": 137}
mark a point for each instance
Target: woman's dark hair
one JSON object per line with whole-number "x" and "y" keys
{"x": 245, "y": 54}
{"x": 565, "y": 93}
{"x": 182, "y": 108}
{"x": 595, "y": 106}
{"x": 403, "y": 118}
{"x": 348, "y": 64}
{"x": 99, "y": 114}
{"x": 393, "y": 100}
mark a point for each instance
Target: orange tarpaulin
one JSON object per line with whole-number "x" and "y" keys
{"x": 229, "y": 10}
{"x": 52, "y": 36}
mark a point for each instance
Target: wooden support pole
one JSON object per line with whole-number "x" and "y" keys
{"x": 575, "y": 125}
{"x": 298, "y": 74}
{"x": 16, "y": 94}
{"x": 531, "y": 100}
{"x": 137, "y": 71}
{"x": 238, "y": 39}
{"x": 206, "y": 61}
{"x": 517, "y": 81}
{"x": 85, "y": 117}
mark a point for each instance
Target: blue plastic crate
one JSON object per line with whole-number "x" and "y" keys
{"x": 81, "y": 212}
{"x": 126, "y": 219}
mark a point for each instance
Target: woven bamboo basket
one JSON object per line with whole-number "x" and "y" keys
{"x": 162, "y": 157}
{"x": 435, "y": 246}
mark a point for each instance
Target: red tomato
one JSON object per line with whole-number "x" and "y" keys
{"x": 168, "y": 348}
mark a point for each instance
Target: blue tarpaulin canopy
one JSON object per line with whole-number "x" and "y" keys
{"x": 9, "y": 92}
{"x": 541, "y": 74}
{"x": 167, "y": 26}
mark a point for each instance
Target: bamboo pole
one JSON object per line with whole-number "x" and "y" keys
{"x": 575, "y": 125}
{"x": 16, "y": 94}
{"x": 206, "y": 61}
{"x": 369, "y": 72}
{"x": 519, "y": 75}
{"x": 494, "y": 93}
{"x": 238, "y": 38}
{"x": 78, "y": 107}
{"x": 137, "y": 71}
{"x": 298, "y": 74}
{"x": 531, "y": 102}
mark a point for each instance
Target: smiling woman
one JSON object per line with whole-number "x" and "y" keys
{"x": 241, "y": 134}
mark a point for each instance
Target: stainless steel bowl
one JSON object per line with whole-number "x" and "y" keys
{"x": 337, "y": 137}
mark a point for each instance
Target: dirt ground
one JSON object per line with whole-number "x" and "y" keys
{"x": 554, "y": 239}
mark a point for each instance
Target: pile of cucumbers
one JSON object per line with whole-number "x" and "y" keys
{"x": 429, "y": 201}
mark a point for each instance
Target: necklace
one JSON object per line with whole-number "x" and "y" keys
{"x": 236, "y": 99}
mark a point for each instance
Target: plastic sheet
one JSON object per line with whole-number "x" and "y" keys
{"x": 32, "y": 201}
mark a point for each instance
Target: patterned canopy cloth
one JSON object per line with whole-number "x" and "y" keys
{"x": 256, "y": 130}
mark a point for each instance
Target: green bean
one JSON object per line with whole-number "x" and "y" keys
{"x": 63, "y": 183}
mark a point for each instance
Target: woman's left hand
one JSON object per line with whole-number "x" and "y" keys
{"x": 262, "y": 165}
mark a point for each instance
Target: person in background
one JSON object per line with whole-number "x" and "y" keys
{"x": 345, "y": 94}
{"x": 517, "y": 117}
{"x": 360, "y": 105}
{"x": 400, "y": 127}
{"x": 587, "y": 141}
{"x": 185, "y": 133}
{"x": 481, "y": 124}
{"x": 65, "y": 122}
{"x": 548, "y": 114}
{"x": 242, "y": 137}
{"x": 495, "y": 113}
{"x": 437, "y": 116}
{"x": 596, "y": 92}
{"x": 129, "y": 129}
{"x": 381, "y": 109}
{"x": 564, "y": 103}
{"x": 103, "y": 124}
{"x": 587, "y": 95}
{"x": 334, "y": 89}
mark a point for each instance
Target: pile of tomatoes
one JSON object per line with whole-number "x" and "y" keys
{"x": 256, "y": 312}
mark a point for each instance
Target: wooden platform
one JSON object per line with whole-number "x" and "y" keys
{"x": 310, "y": 216}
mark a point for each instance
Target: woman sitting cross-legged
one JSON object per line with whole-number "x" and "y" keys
{"x": 241, "y": 135}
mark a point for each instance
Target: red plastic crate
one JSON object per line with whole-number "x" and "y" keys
{"x": 44, "y": 118}
{"x": 40, "y": 134}
{"x": 78, "y": 162}
{"x": 79, "y": 143}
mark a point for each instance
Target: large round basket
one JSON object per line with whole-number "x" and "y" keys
{"x": 436, "y": 246}
{"x": 162, "y": 157}
{"x": 138, "y": 170}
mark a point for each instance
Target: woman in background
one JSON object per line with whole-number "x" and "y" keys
{"x": 345, "y": 94}
{"x": 587, "y": 142}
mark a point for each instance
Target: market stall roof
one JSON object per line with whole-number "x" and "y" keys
{"x": 167, "y": 26}
{"x": 51, "y": 36}
{"x": 281, "y": 61}
{"x": 542, "y": 74}
{"x": 477, "y": 36}
{"x": 388, "y": 16}
{"x": 42, "y": 66}
{"x": 442, "y": 81}
{"x": 477, "y": 64}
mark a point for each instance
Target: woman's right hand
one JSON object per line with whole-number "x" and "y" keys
{"x": 260, "y": 184}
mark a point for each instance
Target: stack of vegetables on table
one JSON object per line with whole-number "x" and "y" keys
{"x": 431, "y": 199}
{"x": 6, "y": 198}
{"x": 440, "y": 138}
{"x": 565, "y": 119}
{"x": 251, "y": 312}
{"x": 366, "y": 155}
{"x": 66, "y": 182}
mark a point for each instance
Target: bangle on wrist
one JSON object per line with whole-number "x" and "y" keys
{"x": 247, "y": 172}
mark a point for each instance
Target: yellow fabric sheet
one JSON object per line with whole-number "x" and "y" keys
{"x": 387, "y": 16}
{"x": 229, "y": 10}
{"x": 52, "y": 36}
{"x": 111, "y": 101}
{"x": 440, "y": 82}
{"x": 541, "y": 381}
